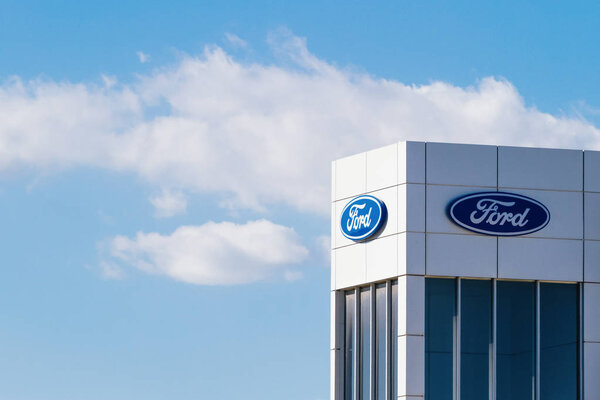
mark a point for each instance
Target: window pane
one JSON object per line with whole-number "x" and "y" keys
{"x": 440, "y": 314}
{"x": 558, "y": 341}
{"x": 380, "y": 345}
{"x": 475, "y": 339}
{"x": 349, "y": 370}
{"x": 365, "y": 343}
{"x": 394, "y": 341}
{"x": 516, "y": 340}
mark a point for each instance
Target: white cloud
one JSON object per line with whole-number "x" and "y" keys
{"x": 235, "y": 40}
{"x": 169, "y": 203}
{"x": 143, "y": 57}
{"x": 110, "y": 270}
{"x": 258, "y": 134}
{"x": 109, "y": 81}
{"x": 214, "y": 253}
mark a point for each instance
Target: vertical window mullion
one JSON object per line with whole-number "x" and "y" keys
{"x": 373, "y": 332}
{"x": 457, "y": 346}
{"x": 580, "y": 340}
{"x": 394, "y": 338}
{"x": 493, "y": 344}
{"x": 537, "y": 340}
{"x": 356, "y": 357}
{"x": 388, "y": 341}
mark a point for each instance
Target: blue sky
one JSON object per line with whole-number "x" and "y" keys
{"x": 151, "y": 155}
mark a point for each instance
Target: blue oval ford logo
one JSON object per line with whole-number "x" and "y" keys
{"x": 363, "y": 217}
{"x": 498, "y": 213}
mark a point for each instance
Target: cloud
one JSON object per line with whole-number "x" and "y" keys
{"x": 214, "y": 253}
{"x": 143, "y": 57}
{"x": 169, "y": 203}
{"x": 110, "y": 270}
{"x": 109, "y": 81}
{"x": 235, "y": 40}
{"x": 258, "y": 134}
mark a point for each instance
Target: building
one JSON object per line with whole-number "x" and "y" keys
{"x": 465, "y": 272}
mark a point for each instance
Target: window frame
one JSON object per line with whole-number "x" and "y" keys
{"x": 537, "y": 334}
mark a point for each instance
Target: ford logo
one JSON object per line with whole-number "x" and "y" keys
{"x": 498, "y": 213}
{"x": 363, "y": 217}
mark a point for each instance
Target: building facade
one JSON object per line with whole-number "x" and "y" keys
{"x": 465, "y": 272}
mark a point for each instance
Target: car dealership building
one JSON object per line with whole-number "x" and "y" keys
{"x": 465, "y": 272}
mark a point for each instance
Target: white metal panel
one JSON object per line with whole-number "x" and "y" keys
{"x": 533, "y": 168}
{"x": 540, "y": 259}
{"x": 350, "y": 176}
{"x": 382, "y": 168}
{"x": 591, "y": 371}
{"x": 390, "y": 197}
{"x": 461, "y": 164}
{"x": 411, "y": 162}
{"x": 592, "y": 216}
{"x": 411, "y": 208}
{"x": 461, "y": 255}
{"x": 411, "y": 253}
{"x": 350, "y": 266}
{"x": 591, "y": 310}
{"x": 411, "y": 366}
{"x": 591, "y": 261}
{"x": 566, "y": 213}
{"x": 438, "y": 198}
{"x": 591, "y": 171}
{"x": 411, "y": 305}
{"x": 382, "y": 258}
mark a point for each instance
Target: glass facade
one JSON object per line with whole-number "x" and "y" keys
{"x": 559, "y": 355}
{"x": 501, "y": 340}
{"x": 440, "y": 320}
{"x": 476, "y": 344}
{"x": 370, "y": 325}
{"x": 365, "y": 343}
{"x": 516, "y": 340}
{"x": 350, "y": 345}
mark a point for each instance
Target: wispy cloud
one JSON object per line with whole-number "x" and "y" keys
{"x": 169, "y": 203}
{"x": 214, "y": 253}
{"x": 143, "y": 57}
{"x": 235, "y": 40}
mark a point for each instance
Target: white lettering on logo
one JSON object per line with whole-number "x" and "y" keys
{"x": 355, "y": 221}
{"x": 488, "y": 212}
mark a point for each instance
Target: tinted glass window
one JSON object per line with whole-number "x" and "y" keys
{"x": 380, "y": 342}
{"x": 349, "y": 370}
{"x": 365, "y": 343}
{"x": 558, "y": 341}
{"x": 516, "y": 341}
{"x": 475, "y": 339}
{"x": 440, "y": 317}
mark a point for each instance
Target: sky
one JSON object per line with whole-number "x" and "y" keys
{"x": 165, "y": 171}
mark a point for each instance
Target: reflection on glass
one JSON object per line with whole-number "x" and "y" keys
{"x": 349, "y": 371}
{"x": 394, "y": 341}
{"x": 558, "y": 341}
{"x": 380, "y": 334}
{"x": 440, "y": 314}
{"x": 475, "y": 339}
{"x": 365, "y": 343}
{"x": 516, "y": 341}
